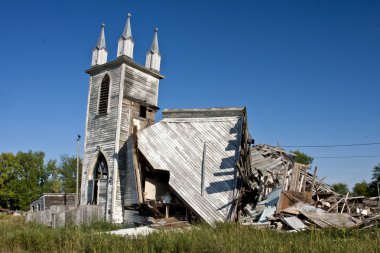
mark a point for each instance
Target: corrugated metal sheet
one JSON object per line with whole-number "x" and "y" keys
{"x": 176, "y": 145}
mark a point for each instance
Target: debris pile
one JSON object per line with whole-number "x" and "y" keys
{"x": 280, "y": 193}
{"x": 9, "y": 212}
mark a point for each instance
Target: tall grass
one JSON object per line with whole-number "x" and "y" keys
{"x": 18, "y": 236}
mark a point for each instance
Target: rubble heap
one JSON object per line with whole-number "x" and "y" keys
{"x": 280, "y": 193}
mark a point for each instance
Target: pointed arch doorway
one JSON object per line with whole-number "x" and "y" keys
{"x": 98, "y": 182}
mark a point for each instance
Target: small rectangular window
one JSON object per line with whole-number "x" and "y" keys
{"x": 142, "y": 111}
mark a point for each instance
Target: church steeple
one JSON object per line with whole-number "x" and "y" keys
{"x": 99, "y": 54}
{"x": 125, "y": 44}
{"x": 122, "y": 99}
{"x": 154, "y": 46}
{"x": 153, "y": 57}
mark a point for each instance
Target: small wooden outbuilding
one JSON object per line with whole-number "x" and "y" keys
{"x": 46, "y": 200}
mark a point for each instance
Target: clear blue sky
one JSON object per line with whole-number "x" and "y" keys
{"x": 307, "y": 71}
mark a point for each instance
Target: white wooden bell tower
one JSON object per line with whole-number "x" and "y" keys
{"x": 122, "y": 99}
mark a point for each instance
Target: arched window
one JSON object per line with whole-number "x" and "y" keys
{"x": 97, "y": 184}
{"x": 104, "y": 93}
{"x": 101, "y": 168}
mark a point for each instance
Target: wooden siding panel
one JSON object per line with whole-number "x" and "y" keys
{"x": 102, "y": 195}
{"x": 90, "y": 194}
{"x": 176, "y": 145}
{"x": 140, "y": 86}
{"x": 131, "y": 197}
{"x": 101, "y": 130}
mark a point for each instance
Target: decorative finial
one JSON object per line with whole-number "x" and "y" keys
{"x": 127, "y": 33}
{"x": 153, "y": 57}
{"x": 101, "y": 41}
{"x": 154, "y": 47}
{"x": 99, "y": 54}
{"x": 126, "y": 43}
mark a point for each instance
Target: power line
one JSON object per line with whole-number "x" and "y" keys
{"x": 331, "y": 146}
{"x": 341, "y": 157}
{"x": 335, "y": 117}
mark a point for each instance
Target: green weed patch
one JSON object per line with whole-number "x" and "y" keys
{"x": 18, "y": 236}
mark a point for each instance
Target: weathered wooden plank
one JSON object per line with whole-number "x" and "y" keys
{"x": 140, "y": 86}
{"x": 336, "y": 220}
{"x": 203, "y": 113}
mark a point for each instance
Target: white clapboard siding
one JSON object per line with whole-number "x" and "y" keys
{"x": 140, "y": 86}
{"x": 176, "y": 145}
{"x": 130, "y": 84}
{"x": 101, "y": 129}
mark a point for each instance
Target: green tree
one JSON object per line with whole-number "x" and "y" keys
{"x": 23, "y": 176}
{"x": 361, "y": 189}
{"x": 340, "y": 188}
{"x": 375, "y": 180}
{"x": 67, "y": 171}
{"x": 53, "y": 182}
{"x": 303, "y": 158}
{"x": 8, "y": 166}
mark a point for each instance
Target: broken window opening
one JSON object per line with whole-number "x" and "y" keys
{"x": 159, "y": 201}
{"x": 143, "y": 110}
{"x": 98, "y": 186}
{"x": 101, "y": 168}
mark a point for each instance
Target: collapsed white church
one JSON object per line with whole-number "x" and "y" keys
{"x": 193, "y": 165}
{"x": 185, "y": 165}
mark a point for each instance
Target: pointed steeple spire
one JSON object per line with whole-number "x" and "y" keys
{"x": 125, "y": 44}
{"x": 153, "y": 57}
{"x": 154, "y": 46}
{"x": 99, "y": 54}
{"x": 127, "y": 33}
{"x": 102, "y": 40}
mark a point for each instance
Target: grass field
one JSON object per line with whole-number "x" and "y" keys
{"x": 18, "y": 236}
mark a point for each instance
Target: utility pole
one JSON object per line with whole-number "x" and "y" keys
{"x": 77, "y": 178}
{"x": 378, "y": 194}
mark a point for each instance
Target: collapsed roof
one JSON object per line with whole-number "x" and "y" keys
{"x": 200, "y": 149}
{"x": 270, "y": 164}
